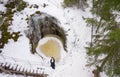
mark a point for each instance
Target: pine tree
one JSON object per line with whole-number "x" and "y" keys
{"x": 6, "y": 21}
{"x": 105, "y": 39}
{"x": 82, "y": 4}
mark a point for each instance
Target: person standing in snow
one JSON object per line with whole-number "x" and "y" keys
{"x": 52, "y": 62}
{"x": 0, "y": 51}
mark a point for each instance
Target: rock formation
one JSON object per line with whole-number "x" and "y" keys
{"x": 41, "y": 25}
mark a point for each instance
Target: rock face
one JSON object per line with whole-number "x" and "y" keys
{"x": 41, "y": 25}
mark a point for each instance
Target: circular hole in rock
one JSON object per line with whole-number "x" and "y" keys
{"x": 50, "y": 47}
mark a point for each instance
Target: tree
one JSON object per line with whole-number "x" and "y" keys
{"x": 105, "y": 36}
{"x": 82, "y": 4}
{"x": 12, "y": 6}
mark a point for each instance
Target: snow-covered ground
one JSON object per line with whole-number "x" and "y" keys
{"x": 74, "y": 63}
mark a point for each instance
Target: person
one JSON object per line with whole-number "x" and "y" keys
{"x": 0, "y": 51}
{"x": 52, "y": 62}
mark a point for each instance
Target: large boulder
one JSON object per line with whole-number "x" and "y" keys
{"x": 41, "y": 25}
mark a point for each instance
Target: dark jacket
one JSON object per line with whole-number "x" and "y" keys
{"x": 52, "y": 62}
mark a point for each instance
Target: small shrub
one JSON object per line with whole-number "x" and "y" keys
{"x": 70, "y": 2}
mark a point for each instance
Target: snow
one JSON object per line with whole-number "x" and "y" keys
{"x": 74, "y": 63}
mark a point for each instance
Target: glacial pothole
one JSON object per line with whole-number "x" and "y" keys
{"x": 41, "y": 27}
{"x": 50, "y": 47}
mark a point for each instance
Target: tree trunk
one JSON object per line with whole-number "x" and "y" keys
{"x": 96, "y": 73}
